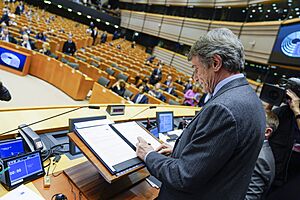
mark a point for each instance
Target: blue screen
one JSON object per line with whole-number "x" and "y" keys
{"x": 154, "y": 132}
{"x": 286, "y": 49}
{"x": 25, "y": 166}
{"x": 12, "y": 59}
{"x": 11, "y": 148}
{"x": 165, "y": 122}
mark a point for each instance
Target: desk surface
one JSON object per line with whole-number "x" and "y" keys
{"x": 11, "y": 118}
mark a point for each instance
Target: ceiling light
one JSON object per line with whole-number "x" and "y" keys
{"x": 59, "y": 6}
{"x": 88, "y": 16}
{"x": 78, "y": 13}
{"x": 116, "y": 26}
{"x": 69, "y": 9}
{"x": 98, "y": 20}
{"x": 107, "y": 23}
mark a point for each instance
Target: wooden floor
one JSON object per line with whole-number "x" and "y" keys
{"x": 29, "y": 91}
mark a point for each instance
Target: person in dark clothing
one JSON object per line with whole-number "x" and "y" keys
{"x": 5, "y": 18}
{"x": 288, "y": 132}
{"x": 94, "y": 35}
{"x": 4, "y": 93}
{"x": 69, "y": 46}
{"x": 7, "y": 37}
{"x": 41, "y": 36}
{"x": 119, "y": 87}
{"x": 264, "y": 170}
{"x": 144, "y": 83}
{"x": 140, "y": 98}
{"x": 20, "y": 8}
{"x": 156, "y": 75}
{"x": 104, "y": 37}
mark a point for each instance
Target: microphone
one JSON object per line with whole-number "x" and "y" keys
{"x": 63, "y": 113}
{"x": 150, "y": 107}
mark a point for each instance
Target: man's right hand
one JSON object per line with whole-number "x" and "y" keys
{"x": 164, "y": 149}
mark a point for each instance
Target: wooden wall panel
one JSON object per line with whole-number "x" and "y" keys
{"x": 258, "y": 40}
{"x": 233, "y": 26}
{"x": 192, "y": 30}
{"x": 182, "y": 64}
{"x": 171, "y": 28}
{"x": 125, "y": 17}
{"x": 152, "y": 24}
{"x": 164, "y": 55}
{"x": 137, "y": 21}
{"x": 204, "y": 3}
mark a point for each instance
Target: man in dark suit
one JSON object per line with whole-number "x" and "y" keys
{"x": 20, "y": 8}
{"x": 104, "y": 37}
{"x": 7, "y": 37}
{"x": 264, "y": 171}
{"x": 69, "y": 46}
{"x": 140, "y": 98}
{"x": 171, "y": 89}
{"x": 215, "y": 155}
{"x": 27, "y": 43}
{"x": 156, "y": 75}
{"x": 94, "y": 34}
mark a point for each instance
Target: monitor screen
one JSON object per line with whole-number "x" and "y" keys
{"x": 9, "y": 148}
{"x": 12, "y": 59}
{"x": 24, "y": 166}
{"x": 286, "y": 49}
{"x": 165, "y": 121}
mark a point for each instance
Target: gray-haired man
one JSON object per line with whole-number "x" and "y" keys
{"x": 215, "y": 155}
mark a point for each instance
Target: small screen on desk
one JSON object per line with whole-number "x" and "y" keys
{"x": 24, "y": 166}
{"x": 11, "y": 148}
{"x": 12, "y": 59}
{"x": 165, "y": 121}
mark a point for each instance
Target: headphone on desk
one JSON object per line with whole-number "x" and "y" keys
{"x": 59, "y": 196}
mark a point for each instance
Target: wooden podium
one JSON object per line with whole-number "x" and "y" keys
{"x": 94, "y": 180}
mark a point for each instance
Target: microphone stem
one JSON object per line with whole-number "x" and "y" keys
{"x": 63, "y": 113}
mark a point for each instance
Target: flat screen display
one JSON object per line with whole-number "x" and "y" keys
{"x": 286, "y": 49}
{"x": 12, "y": 59}
{"x": 24, "y": 166}
{"x": 165, "y": 121}
{"x": 9, "y": 148}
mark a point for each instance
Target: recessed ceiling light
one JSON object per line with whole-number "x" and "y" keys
{"x": 107, "y": 23}
{"x": 59, "y": 6}
{"x": 69, "y": 9}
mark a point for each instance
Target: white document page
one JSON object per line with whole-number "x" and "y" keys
{"x": 22, "y": 192}
{"x": 93, "y": 123}
{"x": 107, "y": 144}
{"x": 131, "y": 130}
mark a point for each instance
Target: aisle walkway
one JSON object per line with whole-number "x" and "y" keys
{"x": 29, "y": 91}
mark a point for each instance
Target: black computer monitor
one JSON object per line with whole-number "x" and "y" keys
{"x": 9, "y": 148}
{"x": 164, "y": 121}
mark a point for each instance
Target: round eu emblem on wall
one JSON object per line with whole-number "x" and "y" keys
{"x": 290, "y": 45}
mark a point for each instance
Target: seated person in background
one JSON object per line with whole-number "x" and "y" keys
{"x": 20, "y": 8}
{"x": 192, "y": 96}
{"x": 179, "y": 81}
{"x": 156, "y": 75}
{"x": 23, "y": 30}
{"x": 171, "y": 89}
{"x": 3, "y": 26}
{"x": 119, "y": 87}
{"x": 140, "y": 98}
{"x": 144, "y": 83}
{"x": 69, "y": 47}
{"x": 150, "y": 59}
{"x": 5, "y": 36}
{"x": 137, "y": 80}
{"x": 264, "y": 171}
{"x": 157, "y": 92}
{"x": 45, "y": 49}
{"x": 119, "y": 46}
{"x": 188, "y": 85}
{"x": 41, "y": 36}
{"x": 27, "y": 43}
{"x": 5, "y": 17}
{"x": 168, "y": 81}
{"x": 4, "y": 93}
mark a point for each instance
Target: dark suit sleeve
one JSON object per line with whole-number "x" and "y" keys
{"x": 212, "y": 144}
{"x": 259, "y": 181}
{"x": 4, "y": 94}
{"x": 64, "y": 50}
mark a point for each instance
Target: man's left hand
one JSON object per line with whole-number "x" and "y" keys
{"x": 142, "y": 148}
